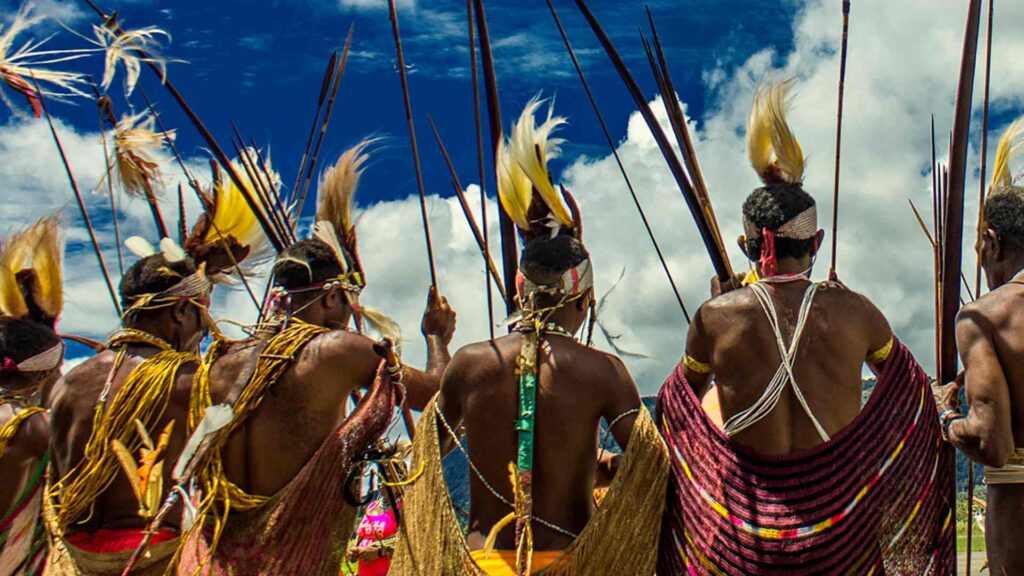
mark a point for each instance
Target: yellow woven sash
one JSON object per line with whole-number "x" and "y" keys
{"x": 8, "y": 430}
{"x": 143, "y": 396}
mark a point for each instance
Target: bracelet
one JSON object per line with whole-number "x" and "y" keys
{"x": 946, "y": 419}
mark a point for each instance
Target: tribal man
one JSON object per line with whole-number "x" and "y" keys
{"x": 802, "y": 479}
{"x": 277, "y": 470}
{"x": 990, "y": 337}
{"x": 133, "y": 398}
{"x": 31, "y": 299}
{"x": 530, "y": 405}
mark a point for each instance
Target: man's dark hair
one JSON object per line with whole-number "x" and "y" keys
{"x": 1004, "y": 213}
{"x": 772, "y": 206}
{"x": 304, "y": 264}
{"x": 152, "y": 275}
{"x": 545, "y": 259}
{"x": 23, "y": 339}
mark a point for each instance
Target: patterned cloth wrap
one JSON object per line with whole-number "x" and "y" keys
{"x": 875, "y": 499}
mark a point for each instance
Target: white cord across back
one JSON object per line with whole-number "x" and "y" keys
{"x": 773, "y": 392}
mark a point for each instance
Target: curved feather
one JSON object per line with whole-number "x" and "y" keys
{"x": 383, "y": 324}
{"x": 1010, "y": 145}
{"x": 774, "y": 151}
{"x": 337, "y": 189}
{"x": 514, "y": 188}
{"x": 531, "y": 147}
{"x": 47, "y": 255}
{"x": 12, "y": 301}
{"x": 172, "y": 251}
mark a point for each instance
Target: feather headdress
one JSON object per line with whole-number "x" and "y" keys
{"x": 1010, "y": 145}
{"x": 774, "y": 151}
{"x": 31, "y": 274}
{"x": 122, "y": 47}
{"x": 18, "y": 67}
{"x": 525, "y": 189}
{"x": 230, "y": 225}
{"x": 136, "y": 145}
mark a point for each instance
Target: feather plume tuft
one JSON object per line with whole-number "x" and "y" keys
{"x": 172, "y": 251}
{"x": 383, "y": 324}
{"x": 136, "y": 146}
{"x": 139, "y": 246}
{"x": 774, "y": 150}
{"x": 337, "y": 189}
{"x": 1010, "y": 145}
{"x": 124, "y": 47}
{"x": 31, "y": 272}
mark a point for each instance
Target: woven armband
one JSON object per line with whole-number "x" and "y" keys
{"x": 696, "y": 365}
{"x": 882, "y": 354}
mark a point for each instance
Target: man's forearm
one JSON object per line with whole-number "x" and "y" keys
{"x": 966, "y": 435}
{"x": 437, "y": 356}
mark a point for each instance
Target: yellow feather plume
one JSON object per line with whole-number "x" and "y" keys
{"x": 514, "y": 188}
{"x": 233, "y": 218}
{"x": 136, "y": 146}
{"x": 774, "y": 151}
{"x": 337, "y": 189}
{"x": 531, "y": 146}
{"x": 39, "y": 248}
{"x": 1010, "y": 145}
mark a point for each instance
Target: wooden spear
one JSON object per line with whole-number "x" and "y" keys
{"x": 482, "y": 169}
{"x": 678, "y": 172}
{"x": 618, "y": 159}
{"x": 509, "y": 254}
{"x": 78, "y": 199}
{"x": 954, "y": 211}
{"x": 464, "y": 203}
{"x": 324, "y": 87}
{"x": 107, "y": 115}
{"x": 839, "y": 137}
{"x": 412, "y": 142}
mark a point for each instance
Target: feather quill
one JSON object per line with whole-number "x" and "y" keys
{"x": 774, "y": 151}
{"x": 1010, "y": 145}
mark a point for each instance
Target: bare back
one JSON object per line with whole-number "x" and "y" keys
{"x": 734, "y": 332}
{"x": 297, "y": 413}
{"x": 577, "y": 386}
{"x": 73, "y": 406}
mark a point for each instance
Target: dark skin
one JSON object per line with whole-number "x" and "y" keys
{"x": 732, "y": 333}
{"x": 990, "y": 338}
{"x": 308, "y": 402}
{"x": 27, "y": 447}
{"x": 577, "y": 386}
{"x": 73, "y": 405}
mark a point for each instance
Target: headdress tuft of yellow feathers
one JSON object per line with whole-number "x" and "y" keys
{"x": 774, "y": 151}
{"x": 31, "y": 275}
{"x": 525, "y": 189}
{"x": 1010, "y": 146}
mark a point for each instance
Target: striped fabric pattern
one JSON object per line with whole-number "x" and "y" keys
{"x": 875, "y": 499}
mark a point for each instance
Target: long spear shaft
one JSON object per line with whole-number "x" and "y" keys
{"x": 464, "y": 203}
{"x": 78, "y": 199}
{"x": 618, "y": 159}
{"x": 678, "y": 172}
{"x": 978, "y": 239}
{"x": 682, "y": 133}
{"x": 194, "y": 184}
{"x": 954, "y": 212}
{"x": 482, "y": 168}
{"x": 324, "y": 87}
{"x": 276, "y": 200}
{"x": 101, "y": 108}
{"x": 323, "y": 126}
{"x": 509, "y": 256}
{"x": 412, "y": 141}
{"x": 218, "y": 152}
{"x": 839, "y": 135}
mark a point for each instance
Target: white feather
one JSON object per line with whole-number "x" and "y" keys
{"x": 215, "y": 418}
{"x": 324, "y": 231}
{"x": 139, "y": 246}
{"x": 172, "y": 251}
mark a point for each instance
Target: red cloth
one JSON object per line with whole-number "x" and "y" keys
{"x": 109, "y": 540}
{"x": 374, "y": 528}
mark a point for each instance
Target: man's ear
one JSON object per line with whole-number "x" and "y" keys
{"x": 818, "y": 239}
{"x": 330, "y": 299}
{"x": 180, "y": 310}
{"x": 995, "y": 247}
{"x": 741, "y": 241}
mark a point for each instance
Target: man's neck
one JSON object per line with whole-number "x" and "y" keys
{"x": 160, "y": 331}
{"x": 793, "y": 266}
{"x": 1013, "y": 266}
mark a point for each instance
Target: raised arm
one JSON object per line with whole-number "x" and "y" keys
{"x": 985, "y": 433}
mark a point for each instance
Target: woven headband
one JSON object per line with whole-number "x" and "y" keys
{"x": 196, "y": 284}
{"x": 47, "y": 360}
{"x": 573, "y": 282}
{"x": 803, "y": 226}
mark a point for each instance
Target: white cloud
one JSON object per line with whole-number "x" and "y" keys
{"x": 375, "y": 4}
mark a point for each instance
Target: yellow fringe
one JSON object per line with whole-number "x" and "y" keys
{"x": 143, "y": 396}
{"x": 8, "y": 430}
{"x": 273, "y": 362}
{"x": 621, "y": 538}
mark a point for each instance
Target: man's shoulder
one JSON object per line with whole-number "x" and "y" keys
{"x": 89, "y": 375}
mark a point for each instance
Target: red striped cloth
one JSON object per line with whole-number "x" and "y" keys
{"x": 878, "y": 498}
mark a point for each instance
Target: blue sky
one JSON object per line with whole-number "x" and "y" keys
{"x": 260, "y": 65}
